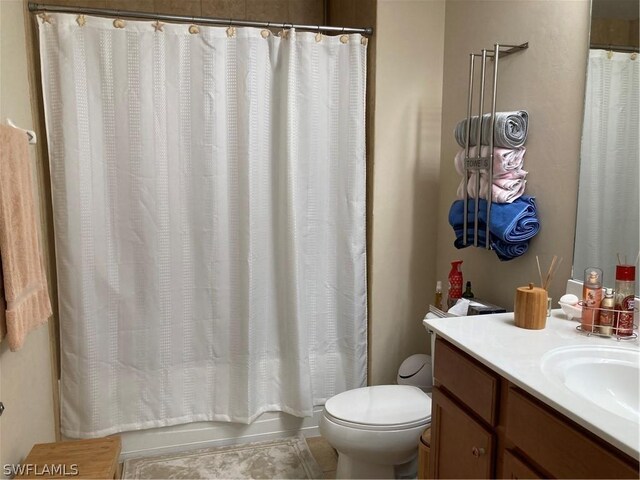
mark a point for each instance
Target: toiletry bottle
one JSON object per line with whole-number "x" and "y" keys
{"x": 437, "y": 298}
{"x": 625, "y": 298}
{"x": 468, "y": 293}
{"x": 591, "y": 298}
{"x": 455, "y": 283}
{"x": 607, "y": 313}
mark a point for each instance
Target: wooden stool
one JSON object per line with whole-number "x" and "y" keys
{"x": 93, "y": 458}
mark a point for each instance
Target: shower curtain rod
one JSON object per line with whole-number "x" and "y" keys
{"x": 107, "y": 12}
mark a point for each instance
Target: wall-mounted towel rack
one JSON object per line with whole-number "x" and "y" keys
{"x": 479, "y": 162}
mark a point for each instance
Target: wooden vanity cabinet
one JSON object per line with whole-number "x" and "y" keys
{"x": 485, "y": 427}
{"x": 463, "y": 416}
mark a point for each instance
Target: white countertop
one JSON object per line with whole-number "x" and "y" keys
{"x": 516, "y": 353}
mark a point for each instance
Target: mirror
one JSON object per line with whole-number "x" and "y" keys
{"x": 607, "y": 224}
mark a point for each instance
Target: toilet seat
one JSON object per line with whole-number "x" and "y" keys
{"x": 377, "y": 428}
{"x": 380, "y": 408}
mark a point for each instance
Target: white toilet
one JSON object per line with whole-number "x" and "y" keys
{"x": 376, "y": 430}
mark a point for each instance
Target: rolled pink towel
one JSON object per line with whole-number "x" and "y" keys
{"x": 504, "y": 189}
{"x": 505, "y": 160}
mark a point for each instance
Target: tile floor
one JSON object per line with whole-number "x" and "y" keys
{"x": 324, "y": 454}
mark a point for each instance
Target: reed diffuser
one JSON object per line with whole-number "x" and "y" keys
{"x": 531, "y": 303}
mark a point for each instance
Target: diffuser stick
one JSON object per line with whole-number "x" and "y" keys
{"x": 546, "y": 280}
{"x": 539, "y": 271}
{"x": 552, "y": 270}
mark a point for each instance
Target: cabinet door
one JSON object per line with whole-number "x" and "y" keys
{"x": 562, "y": 449}
{"x": 461, "y": 447}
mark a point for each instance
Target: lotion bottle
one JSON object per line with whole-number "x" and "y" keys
{"x": 607, "y": 313}
{"x": 591, "y": 299}
{"x": 625, "y": 299}
{"x": 437, "y": 298}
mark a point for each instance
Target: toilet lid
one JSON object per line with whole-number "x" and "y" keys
{"x": 384, "y": 405}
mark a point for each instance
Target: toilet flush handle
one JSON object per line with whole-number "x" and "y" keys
{"x": 477, "y": 452}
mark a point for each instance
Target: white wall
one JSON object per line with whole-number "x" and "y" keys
{"x": 409, "y": 59}
{"x": 25, "y": 376}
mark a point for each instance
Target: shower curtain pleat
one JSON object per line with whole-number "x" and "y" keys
{"x": 209, "y": 209}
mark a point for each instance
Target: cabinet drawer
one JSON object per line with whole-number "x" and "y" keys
{"x": 462, "y": 447}
{"x": 514, "y": 468}
{"x": 558, "y": 447}
{"x": 469, "y": 381}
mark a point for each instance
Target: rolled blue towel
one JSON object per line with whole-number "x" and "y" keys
{"x": 510, "y": 129}
{"x": 510, "y": 222}
{"x": 505, "y": 251}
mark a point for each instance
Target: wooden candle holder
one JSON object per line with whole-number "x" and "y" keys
{"x": 530, "y": 309}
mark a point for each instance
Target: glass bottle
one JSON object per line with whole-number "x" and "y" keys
{"x": 591, "y": 298}
{"x": 468, "y": 293}
{"x": 625, "y": 298}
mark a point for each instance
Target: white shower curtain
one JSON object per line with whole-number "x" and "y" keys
{"x": 609, "y": 164}
{"x": 209, "y": 203}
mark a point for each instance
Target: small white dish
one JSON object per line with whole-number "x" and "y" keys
{"x": 571, "y": 311}
{"x": 569, "y": 299}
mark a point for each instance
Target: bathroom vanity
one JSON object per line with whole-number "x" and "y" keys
{"x": 516, "y": 403}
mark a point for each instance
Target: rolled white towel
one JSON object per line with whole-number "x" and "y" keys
{"x": 505, "y": 160}
{"x": 510, "y": 129}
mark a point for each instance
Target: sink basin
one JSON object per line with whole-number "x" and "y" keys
{"x": 607, "y": 376}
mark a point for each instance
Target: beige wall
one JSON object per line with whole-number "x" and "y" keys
{"x": 548, "y": 81}
{"x": 25, "y": 376}
{"x": 409, "y": 59}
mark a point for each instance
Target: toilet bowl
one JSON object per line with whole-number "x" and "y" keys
{"x": 376, "y": 430}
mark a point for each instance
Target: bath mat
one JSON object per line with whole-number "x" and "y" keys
{"x": 283, "y": 458}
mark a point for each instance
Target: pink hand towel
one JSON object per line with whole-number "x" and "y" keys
{"x": 505, "y": 160}
{"x": 25, "y": 282}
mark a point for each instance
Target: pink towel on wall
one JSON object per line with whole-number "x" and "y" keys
{"x": 505, "y": 160}
{"x": 25, "y": 283}
{"x": 505, "y": 189}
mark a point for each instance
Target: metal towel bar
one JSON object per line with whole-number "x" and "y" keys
{"x": 479, "y": 162}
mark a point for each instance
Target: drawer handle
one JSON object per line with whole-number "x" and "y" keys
{"x": 477, "y": 452}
